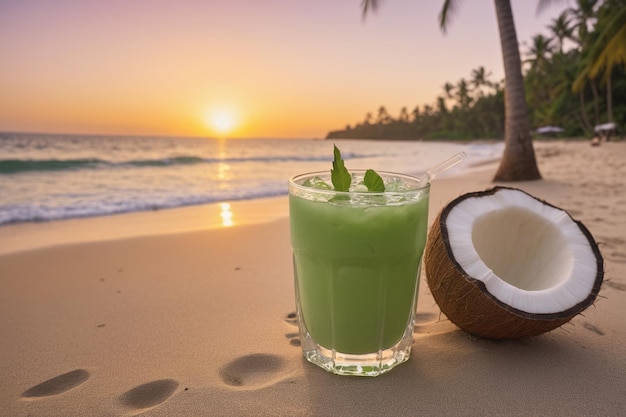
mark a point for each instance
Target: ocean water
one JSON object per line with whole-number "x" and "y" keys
{"x": 50, "y": 177}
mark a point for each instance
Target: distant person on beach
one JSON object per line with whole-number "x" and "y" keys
{"x": 597, "y": 138}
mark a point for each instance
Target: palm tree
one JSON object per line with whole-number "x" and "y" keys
{"x": 448, "y": 88}
{"x": 602, "y": 48}
{"x": 382, "y": 117}
{"x": 583, "y": 14}
{"x": 416, "y": 114}
{"x": 480, "y": 78}
{"x": 606, "y": 50}
{"x": 540, "y": 53}
{"x": 518, "y": 159}
{"x": 462, "y": 94}
{"x": 561, "y": 29}
{"x": 404, "y": 115}
{"x": 441, "y": 105}
{"x": 609, "y": 49}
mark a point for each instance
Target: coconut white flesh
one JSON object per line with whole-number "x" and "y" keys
{"x": 530, "y": 256}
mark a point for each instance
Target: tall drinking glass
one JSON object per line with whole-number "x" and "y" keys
{"x": 357, "y": 258}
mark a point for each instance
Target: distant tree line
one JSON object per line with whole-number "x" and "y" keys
{"x": 575, "y": 78}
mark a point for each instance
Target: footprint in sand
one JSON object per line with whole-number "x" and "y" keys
{"x": 292, "y": 318}
{"x": 294, "y": 337}
{"x": 149, "y": 394}
{"x": 253, "y": 371}
{"x": 58, "y": 384}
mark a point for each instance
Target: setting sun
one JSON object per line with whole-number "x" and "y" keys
{"x": 222, "y": 122}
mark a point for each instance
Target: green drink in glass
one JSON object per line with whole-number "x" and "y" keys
{"x": 357, "y": 257}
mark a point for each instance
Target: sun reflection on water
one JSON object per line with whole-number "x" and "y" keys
{"x": 226, "y": 214}
{"x": 223, "y": 171}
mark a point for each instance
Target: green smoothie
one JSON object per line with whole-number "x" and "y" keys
{"x": 356, "y": 261}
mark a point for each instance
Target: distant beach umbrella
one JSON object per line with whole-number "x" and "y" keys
{"x": 550, "y": 130}
{"x": 605, "y": 127}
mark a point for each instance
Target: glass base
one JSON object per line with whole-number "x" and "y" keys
{"x": 370, "y": 364}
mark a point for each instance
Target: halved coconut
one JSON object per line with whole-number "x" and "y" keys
{"x": 504, "y": 264}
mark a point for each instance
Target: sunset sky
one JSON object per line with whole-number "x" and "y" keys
{"x": 255, "y": 68}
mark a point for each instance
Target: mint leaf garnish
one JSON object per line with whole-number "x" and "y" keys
{"x": 373, "y": 181}
{"x": 342, "y": 179}
{"x": 339, "y": 175}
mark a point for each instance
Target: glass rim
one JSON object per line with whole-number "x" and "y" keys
{"x": 293, "y": 183}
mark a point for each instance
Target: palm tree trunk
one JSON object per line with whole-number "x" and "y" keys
{"x": 583, "y": 112}
{"x": 518, "y": 160}
{"x": 609, "y": 98}
{"x": 596, "y": 109}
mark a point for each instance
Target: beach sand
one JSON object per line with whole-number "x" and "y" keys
{"x": 174, "y": 314}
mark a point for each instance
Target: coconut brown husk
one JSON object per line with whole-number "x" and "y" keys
{"x": 468, "y": 304}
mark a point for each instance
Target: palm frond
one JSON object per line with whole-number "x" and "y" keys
{"x": 448, "y": 9}
{"x": 544, "y": 4}
{"x": 611, "y": 50}
{"x": 368, "y": 5}
{"x": 613, "y": 54}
